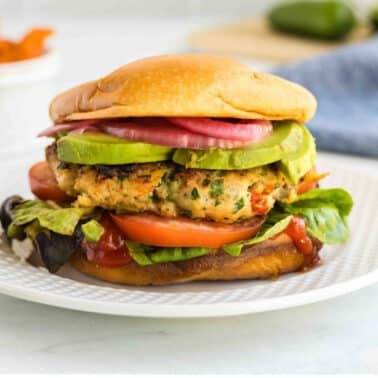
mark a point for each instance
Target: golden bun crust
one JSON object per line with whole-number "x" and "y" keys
{"x": 185, "y": 86}
{"x": 268, "y": 259}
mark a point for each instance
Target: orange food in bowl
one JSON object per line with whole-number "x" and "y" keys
{"x": 30, "y": 46}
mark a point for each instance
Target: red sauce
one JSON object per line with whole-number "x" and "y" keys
{"x": 260, "y": 200}
{"x": 297, "y": 231}
{"x": 110, "y": 251}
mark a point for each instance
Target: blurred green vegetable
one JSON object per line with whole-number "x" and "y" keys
{"x": 329, "y": 20}
{"x": 374, "y": 17}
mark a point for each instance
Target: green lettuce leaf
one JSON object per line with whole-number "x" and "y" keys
{"x": 92, "y": 231}
{"x": 62, "y": 220}
{"x": 336, "y": 197}
{"x": 275, "y": 224}
{"x": 146, "y": 255}
{"x": 325, "y": 212}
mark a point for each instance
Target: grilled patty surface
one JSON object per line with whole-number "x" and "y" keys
{"x": 170, "y": 190}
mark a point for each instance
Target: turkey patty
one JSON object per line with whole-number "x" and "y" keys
{"x": 170, "y": 190}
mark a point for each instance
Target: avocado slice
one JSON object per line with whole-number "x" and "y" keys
{"x": 286, "y": 138}
{"x": 297, "y": 163}
{"x": 97, "y": 148}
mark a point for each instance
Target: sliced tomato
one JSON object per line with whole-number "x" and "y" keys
{"x": 181, "y": 232}
{"x": 43, "y": 183}
{"x": 305, "y": 186}
{"x": 310, "y": 180}
{"x": 110, "y": 251}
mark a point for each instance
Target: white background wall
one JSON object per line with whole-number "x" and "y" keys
{"x": 159, "y": 8}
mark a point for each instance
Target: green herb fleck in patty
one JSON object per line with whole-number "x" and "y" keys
{"x": 216, "y": 188}
{"x": 239, "y": 204}
{"x": 195, "y": 193}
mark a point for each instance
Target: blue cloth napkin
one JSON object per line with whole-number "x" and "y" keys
{"x": 345, "y": 83}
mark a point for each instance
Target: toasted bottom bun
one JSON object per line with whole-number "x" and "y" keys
{"x": 268, "y": 259}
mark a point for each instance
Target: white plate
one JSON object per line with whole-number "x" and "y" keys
{"x": 346, "y": 268}
{"x": 29, "y": 70}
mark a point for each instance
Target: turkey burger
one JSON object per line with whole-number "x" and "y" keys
{"x": 180, "y": 168}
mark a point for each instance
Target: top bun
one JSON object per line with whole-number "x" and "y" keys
{"x": 185, "y": 86}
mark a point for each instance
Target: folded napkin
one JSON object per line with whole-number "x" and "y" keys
{"x": 345, "y": 83}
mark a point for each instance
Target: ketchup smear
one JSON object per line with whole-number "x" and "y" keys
{"x": 110, "y": 251}
{"x": 297, "y": 231}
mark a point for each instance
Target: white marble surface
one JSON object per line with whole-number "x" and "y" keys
{"x": 336, "y": 336}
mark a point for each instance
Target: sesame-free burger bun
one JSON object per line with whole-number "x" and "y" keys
{"x": 268, "y": 259}
{"x": 185, "y": 86}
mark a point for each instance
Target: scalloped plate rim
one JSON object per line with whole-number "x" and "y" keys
{"x": 193, "y": 311}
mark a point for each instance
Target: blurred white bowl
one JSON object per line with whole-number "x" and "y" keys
{"x": 29, "y": 70}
